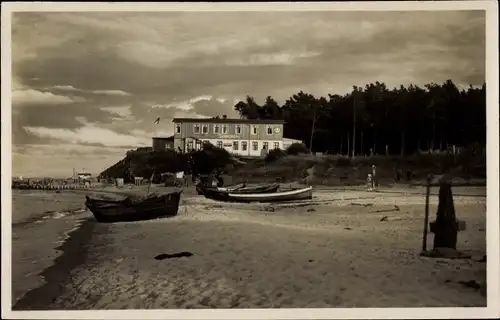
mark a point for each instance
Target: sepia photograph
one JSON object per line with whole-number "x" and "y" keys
{"x": 268, "y": 156}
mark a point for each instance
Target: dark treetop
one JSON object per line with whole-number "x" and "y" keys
{"x": 404, "y": 119}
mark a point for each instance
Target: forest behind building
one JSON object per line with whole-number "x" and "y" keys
{"x": 379, "y": 120}
{"x": 405, "y": 128}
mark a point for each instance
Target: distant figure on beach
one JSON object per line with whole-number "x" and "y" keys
{"x": 216, "y": 178}
{"x": 369, "y": 181}
{"x": 409, "y": 175}
{"x": 374, "y": 177}
{"x": 399, "y": 173}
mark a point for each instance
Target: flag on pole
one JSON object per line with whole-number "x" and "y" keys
{"x": 157, "y": 120}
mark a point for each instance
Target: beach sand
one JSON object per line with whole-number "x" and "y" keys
{"x": 42, "y": 221}
{"x": 334, "y": 252}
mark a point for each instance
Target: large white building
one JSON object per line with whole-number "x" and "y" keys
{"x": 238, "y": 136}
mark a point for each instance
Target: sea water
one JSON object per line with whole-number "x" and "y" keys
{"x": 41, "y": 222}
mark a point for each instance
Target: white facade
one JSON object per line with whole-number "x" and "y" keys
{"x": 252, "y": 148}
{"x": 251, "y": 138}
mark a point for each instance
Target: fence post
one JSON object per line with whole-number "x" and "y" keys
{"x": 426, "y": 219}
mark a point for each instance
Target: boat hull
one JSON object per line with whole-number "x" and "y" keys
{"x": 221, "y": 189}
{"x": 269, "y": 188}
{"x": 103, "y": 202}
{"x": 292, "y": 195}
{"x": 230, "y": 188}
{"x": 127, "y": 210}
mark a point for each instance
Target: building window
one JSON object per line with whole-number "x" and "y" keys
{"x": 178, "y": 128}
{"x": 255, "y": 146}
{"x": 205, "y": 129}
{"x": 198, "y": 144}
{"x": 216, "y": 128}
{"x": 224, "y": 129}
{"x": 269, "y": 130}
{"x": 219, "y": 144}
{"x": 244, "y": 145}
{"x": 235, "y": 145}
{"x": 196, "y": 128}
{"x": 276, "y": 145}
{"x": 190, "y": 145}
{"x": 265, "y": 145}
{"x": 254, "y": 129}
{"x": 238, "y": 129}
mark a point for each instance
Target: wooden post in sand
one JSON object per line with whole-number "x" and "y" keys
{"x": 446, "y": 228}
{"x": 150, "y": 181}
{"x": 426, "y": 219}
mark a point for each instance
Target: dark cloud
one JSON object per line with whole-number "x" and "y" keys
{"x": 204, "y": 73}
{"x": 64, "y": 116}
{"x": 200, "y": 63}
{"x": 214, "y": 107}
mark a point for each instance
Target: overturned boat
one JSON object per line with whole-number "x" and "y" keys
{"x": 275, "y": 196}
{"x": 128, "y": 209}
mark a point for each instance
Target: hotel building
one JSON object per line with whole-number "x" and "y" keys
{"x": 238, "y": 136}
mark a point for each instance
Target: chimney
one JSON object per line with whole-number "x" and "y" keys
{"x": 224, "y": 116}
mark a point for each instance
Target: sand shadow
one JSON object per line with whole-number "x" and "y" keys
{"x": 164, "y": 256}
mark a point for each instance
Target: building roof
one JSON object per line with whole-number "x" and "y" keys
{"x": 222, "y": 120}
{"x": 291, "y": 140}
{"x": 164, "y": 138}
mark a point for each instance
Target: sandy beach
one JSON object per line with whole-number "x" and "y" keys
{"x": 331, "y": 252}
{"x": 355, "y": 115}
{"x": 42, "y": 222}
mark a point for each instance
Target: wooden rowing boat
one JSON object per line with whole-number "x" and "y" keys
{"x": 151, "y": 207}
{"x": 231, "y": 188}
{"x": 290, "y": 195}
{"x": 266, "y": 188}
{"x": 222, "y": 189}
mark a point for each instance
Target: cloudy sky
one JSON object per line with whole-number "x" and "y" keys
{"x": 88, "y": 86}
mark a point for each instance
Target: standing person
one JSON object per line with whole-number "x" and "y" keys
{"x": 212, "y": 180}
{"x": 369, "y": 182}
{"x": 374, "y": 177}
{"x": 193, "y": 170}
{"x": 185, "y": 181}
{"x": 218, "y": 177}
{"x": 263, "y": 152}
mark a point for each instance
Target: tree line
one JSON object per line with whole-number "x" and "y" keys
{"x": 379, "y": 120}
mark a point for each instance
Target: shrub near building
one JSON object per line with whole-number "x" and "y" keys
{"x": 293, "y": 149}
{"x": 297, "y": 148}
